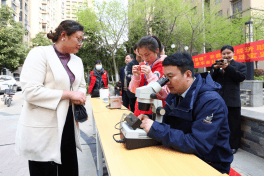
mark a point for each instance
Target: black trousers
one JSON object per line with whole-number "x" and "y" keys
{"x": 132, "y": 102}
{"x": 69, "y": 166}
{"x": 128, "y": 101}
{"x": 125, "y": 99}
{"x": 234, "y": 121}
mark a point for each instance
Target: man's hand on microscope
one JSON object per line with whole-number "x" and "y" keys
{"x": 146, "y": 122}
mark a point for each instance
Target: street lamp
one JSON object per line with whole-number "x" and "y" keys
{"x": 249, "y": 39}
{"x": 249, "y": 31}
{"x": 186, "y": 48}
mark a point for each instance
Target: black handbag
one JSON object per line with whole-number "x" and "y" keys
{"x": 79, "y": 111}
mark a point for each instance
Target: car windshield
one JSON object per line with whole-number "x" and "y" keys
{"x": 5, "y": 78}
{"x": 2, "y": 78}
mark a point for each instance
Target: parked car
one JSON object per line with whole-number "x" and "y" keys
{"x": 18, "y": 83}
{"x": 5, "y": 79}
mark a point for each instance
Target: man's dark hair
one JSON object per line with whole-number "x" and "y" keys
{"x": 131, "y": 55}
{"x": 98, "y": 62}
{"x": 182, "y": 60}
{"x": 135, "y": 47}
{"x": 227, "y": 47}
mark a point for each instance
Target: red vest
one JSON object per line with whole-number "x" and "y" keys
{"x": 156, "y": 68}
{"x": 93, "y": 80}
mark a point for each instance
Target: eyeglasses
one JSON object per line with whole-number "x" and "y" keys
{"x": 80, "y": 41}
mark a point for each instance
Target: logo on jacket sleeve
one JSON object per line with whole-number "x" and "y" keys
{"x": 157, "y": 73}
{"x": 208, "y": 119}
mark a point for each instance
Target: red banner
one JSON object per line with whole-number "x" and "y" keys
{"x": 247, "y": 52}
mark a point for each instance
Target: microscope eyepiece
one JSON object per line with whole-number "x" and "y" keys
{"x": 162, "y": 81}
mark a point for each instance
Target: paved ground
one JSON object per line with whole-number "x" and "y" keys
{"x": 13, "y": 165}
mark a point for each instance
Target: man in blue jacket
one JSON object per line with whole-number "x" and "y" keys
{"x": 196, "y": 115}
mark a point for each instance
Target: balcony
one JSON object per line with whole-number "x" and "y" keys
{"x": 15, "y": 3}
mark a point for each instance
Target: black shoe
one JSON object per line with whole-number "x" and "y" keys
{"x": 234, "y": 151}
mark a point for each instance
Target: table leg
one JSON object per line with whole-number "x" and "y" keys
{"x": 93, "y": 123}
{"x": 99, "y": 155}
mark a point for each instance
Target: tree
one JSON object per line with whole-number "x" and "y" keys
{"x": 182, "y": 22}
{"x": 41, "y": 40}
{"x": 108, "y": 22}
{"x": 12, "y": 49}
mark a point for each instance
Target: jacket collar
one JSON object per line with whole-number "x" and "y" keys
{"x": 58, "y": 70}
{"x": 190, "y": 97}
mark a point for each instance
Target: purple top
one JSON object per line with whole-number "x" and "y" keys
{"x": 65, "y": 58}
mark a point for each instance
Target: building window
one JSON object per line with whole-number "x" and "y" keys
{"x": 44, "y": 7}
{"x": 20, "y": 16}
{"x": 26, "y": 20}
{"x": 237, "y": 6}
{"x": 217, "y": 1}
{"x": 21, "y": 4}
{"x": 26, "y": 7}
{"x": 13, "y": 6}
{"x": 3, "y": 2}
{"x": 14, "y": 17}
{"x": 44, "y": 16}
{"x": 44, "y": 28}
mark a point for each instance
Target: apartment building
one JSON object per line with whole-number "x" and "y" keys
{"x": 71, "y": 6}
{"x": 233, "y": 8}
{"x": 47, "y": 14}
{"x": 21, "y": 9}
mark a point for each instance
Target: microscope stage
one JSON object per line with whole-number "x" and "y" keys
{"x": 135, "y": 138}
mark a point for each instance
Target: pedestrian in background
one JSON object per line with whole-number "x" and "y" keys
{"x": 47, "y": 134}
{"x": 124, "y": 83}
{"x": 138, "y": 57}
{"x": 229, "y": 75}
{"x": 162, "y": 50}
{"x": 98, "y": 79}
{"x": 128, "y": 75}
{"x": 151, "y": 69}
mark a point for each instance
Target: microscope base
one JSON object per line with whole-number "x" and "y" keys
{"x": 134, "y": 139}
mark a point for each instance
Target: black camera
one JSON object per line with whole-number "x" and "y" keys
{"x": 221, "y": 61}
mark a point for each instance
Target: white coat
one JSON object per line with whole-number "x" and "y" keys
{"x": 43, "y": 79}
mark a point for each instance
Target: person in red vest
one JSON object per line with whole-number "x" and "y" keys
{"x": 98, "y": 79}
{"x": 150, "y": 70}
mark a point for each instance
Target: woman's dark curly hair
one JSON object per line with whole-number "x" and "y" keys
{"x": 69, "y": 26}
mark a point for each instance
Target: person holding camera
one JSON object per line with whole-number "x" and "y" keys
{"x": 229, "y": 74}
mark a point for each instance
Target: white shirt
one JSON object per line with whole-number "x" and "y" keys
{"x": 184, "y": 93}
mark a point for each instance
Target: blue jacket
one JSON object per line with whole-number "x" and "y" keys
{"x": 188, "y": 128}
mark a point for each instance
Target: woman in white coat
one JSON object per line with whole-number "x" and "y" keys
{"x": 47, "y": 133}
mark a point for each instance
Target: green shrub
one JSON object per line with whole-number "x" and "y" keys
{"x": 261, "y": 78}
